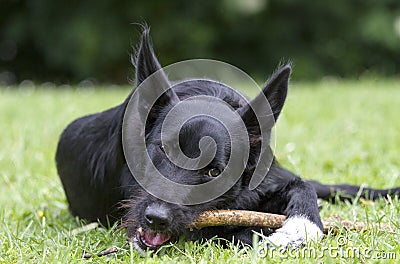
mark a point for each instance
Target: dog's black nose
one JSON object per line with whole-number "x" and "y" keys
{"x": 158, "y": 217}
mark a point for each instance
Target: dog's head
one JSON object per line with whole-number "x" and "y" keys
{"x": 151, "y": 221}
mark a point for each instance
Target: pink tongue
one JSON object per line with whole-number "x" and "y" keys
{"x": 155, "y": 239}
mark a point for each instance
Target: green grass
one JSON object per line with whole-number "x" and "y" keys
{"x": 330, "y": 131}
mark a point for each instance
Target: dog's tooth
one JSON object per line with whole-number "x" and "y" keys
{"x": 140, "y": 230}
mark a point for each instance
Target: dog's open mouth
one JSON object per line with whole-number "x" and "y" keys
{"x": 148, "y": 239}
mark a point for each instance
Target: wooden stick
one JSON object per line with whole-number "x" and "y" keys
{"x": 274, "y": 221}
{"x": 237, "y": 218}
{"x": 106, "y": 252}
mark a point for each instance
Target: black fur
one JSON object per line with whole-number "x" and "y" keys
{"x": 99, "y": 185}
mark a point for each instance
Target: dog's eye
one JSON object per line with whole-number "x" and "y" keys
{"x": 214, "y": 172}
{"x": 162, "y": 148}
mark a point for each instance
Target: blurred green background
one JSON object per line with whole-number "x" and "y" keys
{"x": 71, "y": 41}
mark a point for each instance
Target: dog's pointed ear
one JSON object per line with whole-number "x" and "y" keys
{"x": 275, "y": 91}
{"x": 145, "y": 60}
{"x": 146, "y": 64}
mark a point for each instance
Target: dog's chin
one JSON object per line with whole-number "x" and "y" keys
{"x": 145, "y": 239}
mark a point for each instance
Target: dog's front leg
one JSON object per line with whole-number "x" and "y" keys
{"x": 303, "y": 220}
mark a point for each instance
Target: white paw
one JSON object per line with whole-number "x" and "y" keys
{"x": 295, "y": 232}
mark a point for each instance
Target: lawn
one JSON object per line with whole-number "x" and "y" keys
{"x": 333, "y": 131}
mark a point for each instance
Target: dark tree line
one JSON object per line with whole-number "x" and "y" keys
{"x": 68, "y": 41}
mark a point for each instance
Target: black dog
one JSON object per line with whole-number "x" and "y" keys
{"x": 97, "y": 181}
